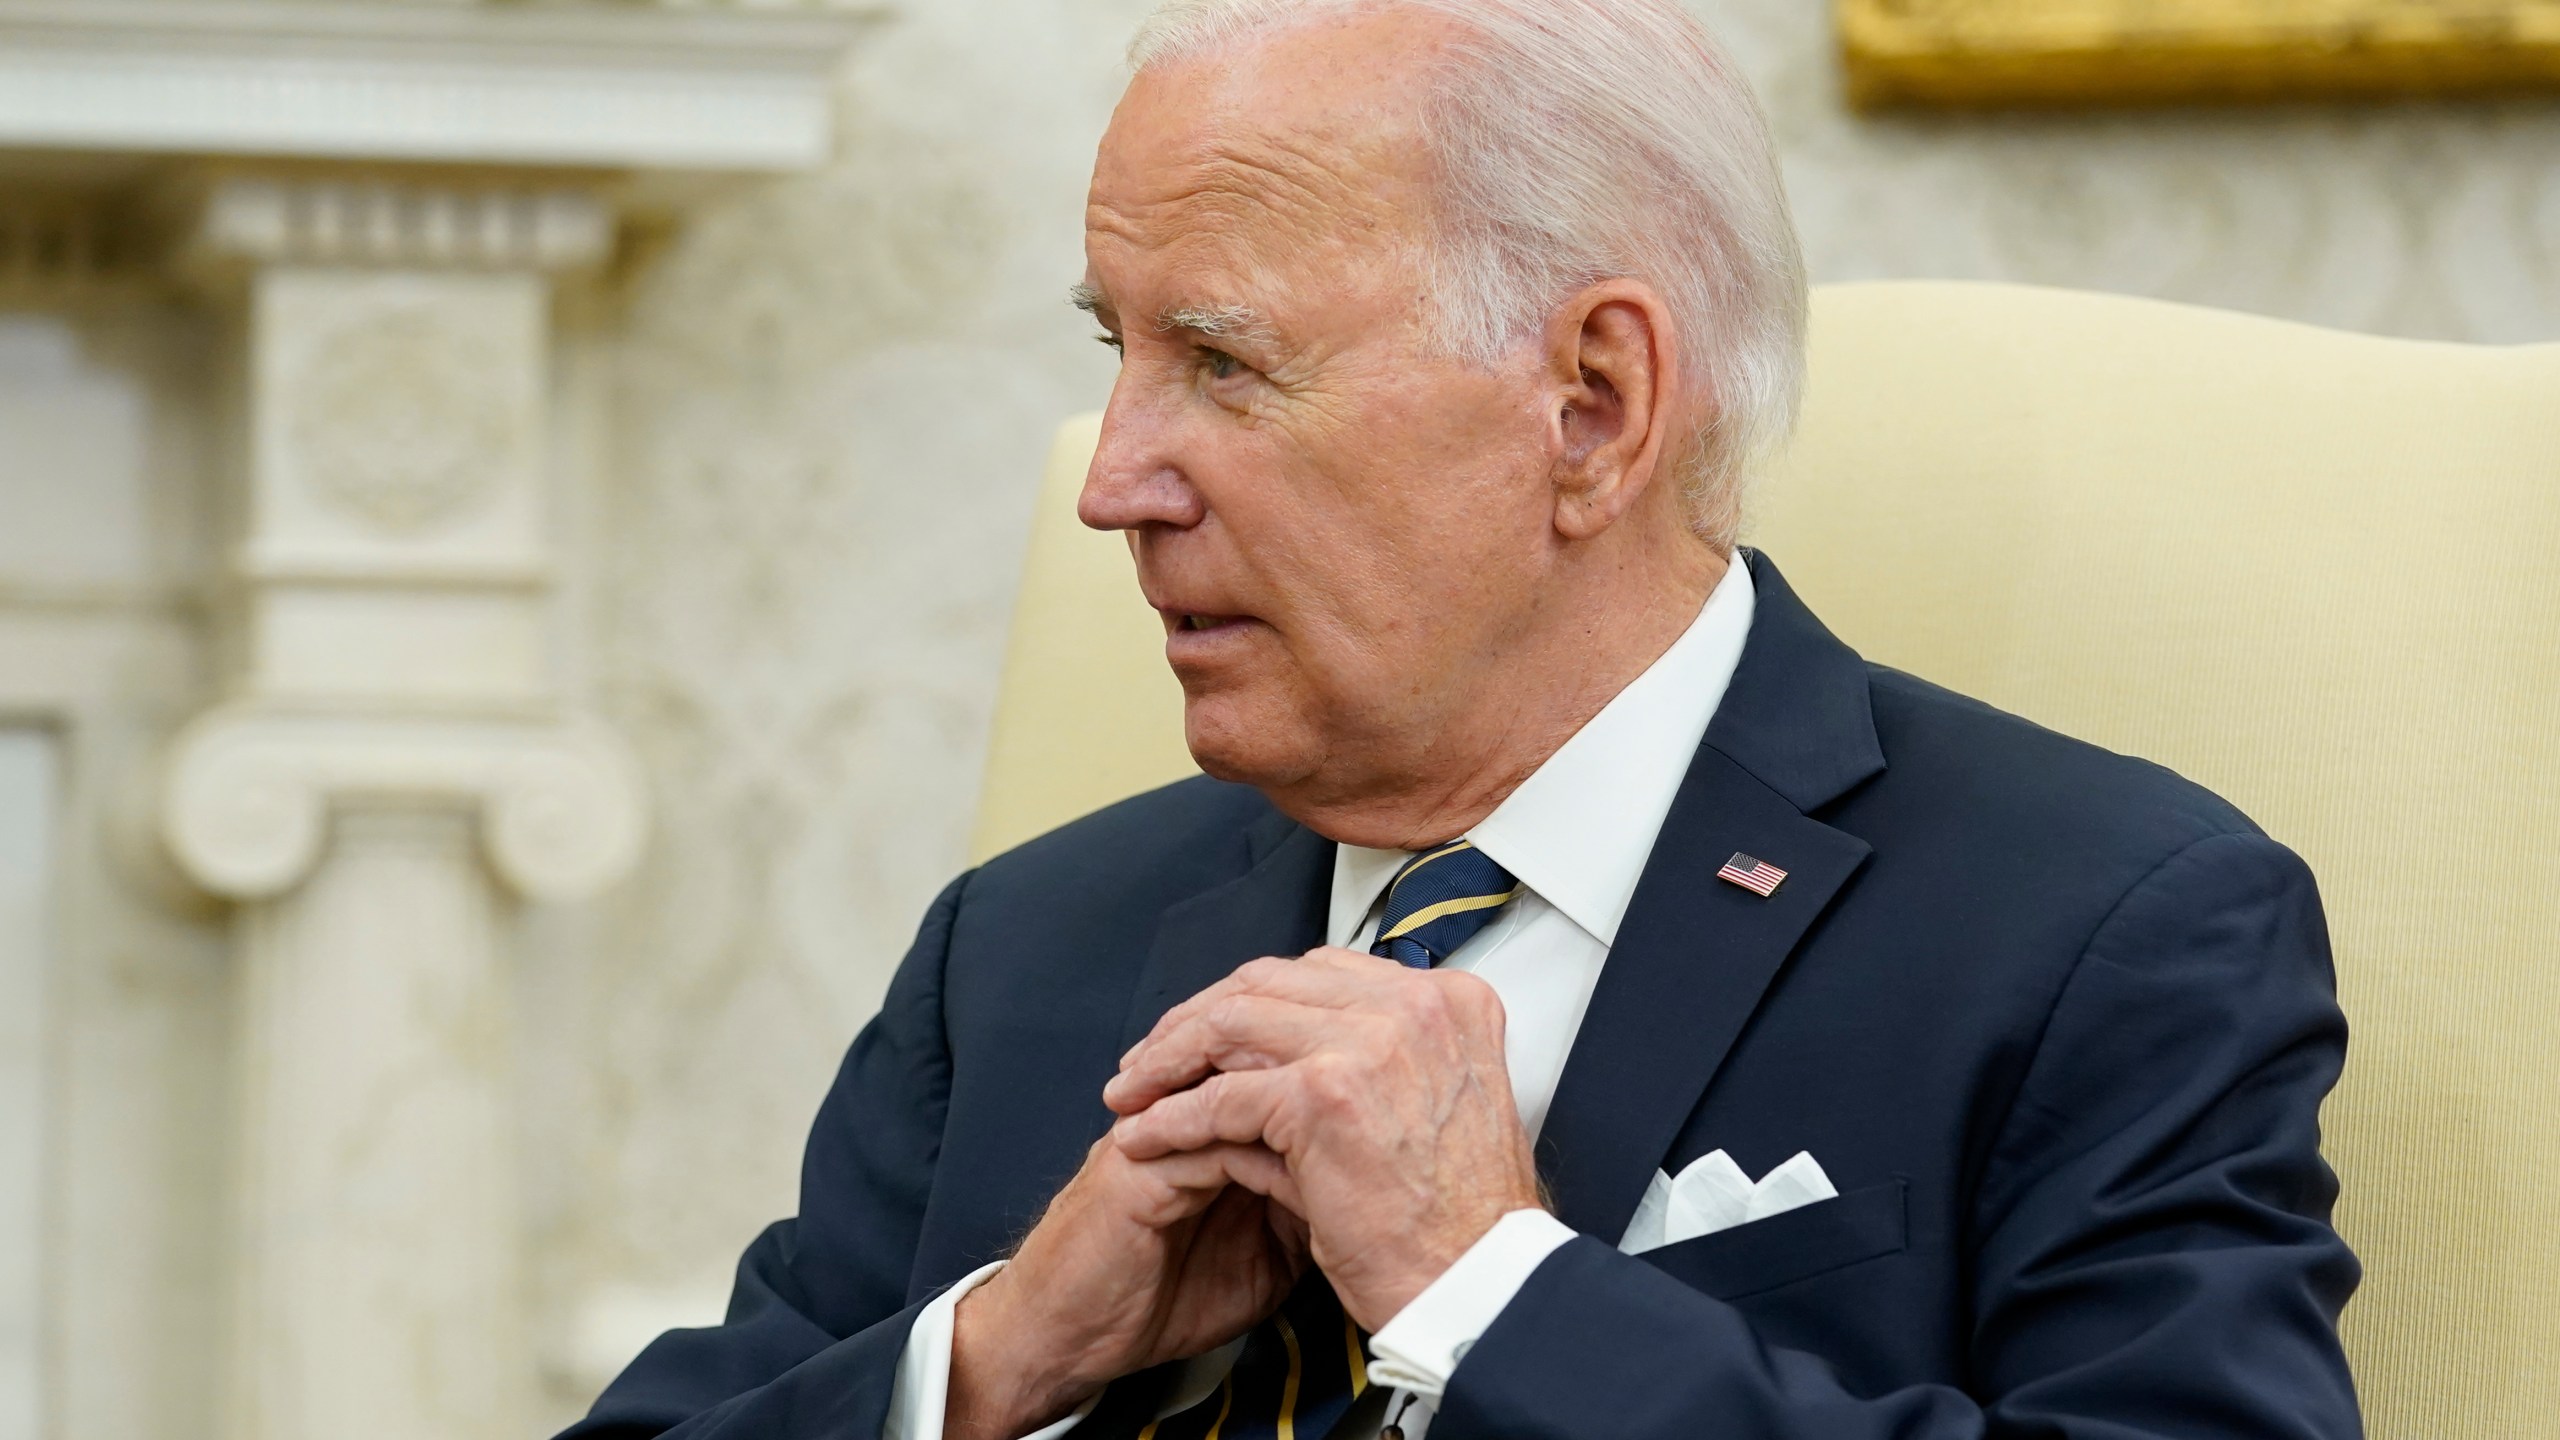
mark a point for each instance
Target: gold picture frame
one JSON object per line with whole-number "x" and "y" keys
{"x": 1987, "y": 53}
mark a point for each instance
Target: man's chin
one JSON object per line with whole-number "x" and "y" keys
{"x": 1235, "y": 740}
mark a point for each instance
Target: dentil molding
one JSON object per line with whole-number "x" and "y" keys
{"x": 624, "y": 87}
{"x": 250, "y": 787}
{"x": 403, "y": 222}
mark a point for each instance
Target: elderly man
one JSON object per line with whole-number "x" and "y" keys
{"x": 1560, "y": 874}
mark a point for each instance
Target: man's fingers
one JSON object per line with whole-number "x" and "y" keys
{"x": 1331, "y": 978}
{"x": 1178, "y": 1051}
{"x": 1233, "y": 1108}
{"x": 1241, "y": 1031}
{"x": 1168, "y": 1192}
{"x": 1351, "y": 962}
{"x": 1203, "y": 1173}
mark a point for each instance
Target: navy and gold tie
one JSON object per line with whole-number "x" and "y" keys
{"x": 1302, "y": 1369}
{"x": 1438, "y": 901}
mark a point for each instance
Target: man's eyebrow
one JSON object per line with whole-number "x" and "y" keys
{"x": 1215, "y": 322}
{"x": 1211, "y": 322}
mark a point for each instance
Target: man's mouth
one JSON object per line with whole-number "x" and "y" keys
{"x": 1207, "y": 622}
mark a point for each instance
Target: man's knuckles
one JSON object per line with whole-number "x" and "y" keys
{"x": 1333, "y": 1084}
{"x": 1473, "y": 1002}
{"x": 1258, "y": 977}
{"x": 1233, "y": 1021}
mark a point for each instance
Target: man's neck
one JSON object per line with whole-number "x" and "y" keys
{"x": 1469, "y": 766}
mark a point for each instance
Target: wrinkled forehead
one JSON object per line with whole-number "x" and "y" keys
{"x": 1303, "y": 151}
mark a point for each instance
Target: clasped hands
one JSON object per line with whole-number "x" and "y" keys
{"x": 1338, "y": 1109}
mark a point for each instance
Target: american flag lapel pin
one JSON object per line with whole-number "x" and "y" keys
{"x": 1752, "y": 873}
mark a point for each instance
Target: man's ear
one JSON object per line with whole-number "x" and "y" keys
{"x": 1613, "y": 377}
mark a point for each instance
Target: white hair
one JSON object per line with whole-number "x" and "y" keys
{"x": 1584, "y": 140}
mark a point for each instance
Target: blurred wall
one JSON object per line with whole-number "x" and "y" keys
{"x": 820, "y": 427}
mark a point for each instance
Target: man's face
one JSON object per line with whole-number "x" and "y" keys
{"x": 1339, "y": 525}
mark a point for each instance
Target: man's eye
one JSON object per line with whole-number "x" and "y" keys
{"x": 1220, "y": 364}
{"x": 1111, "y": 340}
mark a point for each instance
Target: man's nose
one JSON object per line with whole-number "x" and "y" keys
{"x": 1136, "y": 478}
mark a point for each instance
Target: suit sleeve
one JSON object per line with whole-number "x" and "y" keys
{"x": 2150, "y": 1244}
{"x": 819, "y": 1315}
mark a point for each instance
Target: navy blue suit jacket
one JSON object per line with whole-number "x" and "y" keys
{"x": 2056, "y": 1022}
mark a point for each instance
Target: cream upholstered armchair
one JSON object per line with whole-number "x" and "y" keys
{"x": 2317, "y": 572}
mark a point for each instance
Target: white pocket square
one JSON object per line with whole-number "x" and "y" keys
{"x": 1713, "y": 1194}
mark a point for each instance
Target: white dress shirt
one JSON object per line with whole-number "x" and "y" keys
{"x": 1576, "y": 835}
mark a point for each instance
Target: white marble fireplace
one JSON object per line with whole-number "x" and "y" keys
{"x": 285, "y": 289}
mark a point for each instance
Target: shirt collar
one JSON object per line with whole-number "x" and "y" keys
{"x": 1578, "y": 830}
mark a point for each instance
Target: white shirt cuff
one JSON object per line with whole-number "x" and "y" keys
{"x": 1420, "y": 1348}
{"x": 922, "y": 1390}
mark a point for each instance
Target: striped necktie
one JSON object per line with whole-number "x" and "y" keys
{"x": 1438, "y": 901}
{"x": 1301, "y": 1369}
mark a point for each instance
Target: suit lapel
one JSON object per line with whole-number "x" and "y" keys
{"x": 1277, "y": 907}
{"x": 1693, "y": 958}
{"x": 1696, "y": 955}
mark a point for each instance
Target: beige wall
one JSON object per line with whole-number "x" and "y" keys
{"x": 2437, "y": 222}
{"x": 823, "y": 426}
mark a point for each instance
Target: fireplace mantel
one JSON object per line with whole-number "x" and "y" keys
{"x": 622, "y": 87}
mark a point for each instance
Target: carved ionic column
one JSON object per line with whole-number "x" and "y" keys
{"x": 393, "y": 770}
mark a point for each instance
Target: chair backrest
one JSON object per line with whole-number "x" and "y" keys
{"x": 2317, "y": 572}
